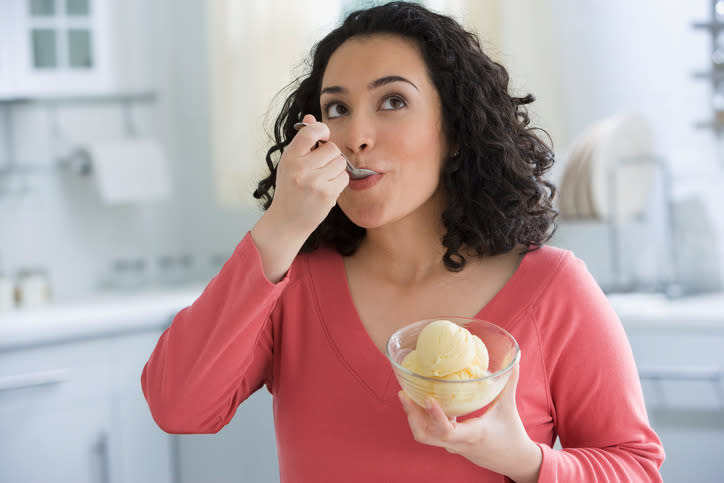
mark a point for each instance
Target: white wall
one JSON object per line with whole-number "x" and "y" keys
{"x": 56, "y": 220}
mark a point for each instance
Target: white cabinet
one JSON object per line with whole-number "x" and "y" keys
{"x": 144, "y": 451}
{"x": 244, "y": 450}
{"x": 7, "y": 53}
{"x": 74, "y": 412}
{"x": 54, "y": 47}
{"x": 55, "y": 413}
{"x": 44, "y": 442}
{"x": 682, "y": 376}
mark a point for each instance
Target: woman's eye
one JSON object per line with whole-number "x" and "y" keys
{"x": 335, "y": 110}
{"x": 393, "y": 103}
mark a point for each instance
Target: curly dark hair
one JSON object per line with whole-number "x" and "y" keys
{"x": 496, "y": 192}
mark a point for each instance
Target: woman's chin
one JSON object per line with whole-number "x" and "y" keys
{"x": 365, "y": 220}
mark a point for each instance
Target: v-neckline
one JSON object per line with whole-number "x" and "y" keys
{"x": 349, "y": 337}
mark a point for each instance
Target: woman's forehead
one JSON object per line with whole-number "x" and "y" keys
{"x": 362, "y": 58}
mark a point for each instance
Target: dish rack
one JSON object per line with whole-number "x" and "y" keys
{"x": 666, "y": 280}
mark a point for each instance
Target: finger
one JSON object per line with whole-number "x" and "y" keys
{"x": 322, "y": 155}
{"x": 332, "y": 179}
{"x": 309, "y": 119}
{"x": 309, "y": 138}
{"x": 512, "y": 385}
{"x": 416, "y": 418}
{"x": 332, "y": 169}
{"x": 507, "y": 395}
{"x": 339, "y": 183}
{"x": 439, "y": 425}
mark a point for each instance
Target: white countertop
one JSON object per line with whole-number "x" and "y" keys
{"x": 111, "y": 313}
{"x": 101, "y": 315}
{"x": 656, "y": 310}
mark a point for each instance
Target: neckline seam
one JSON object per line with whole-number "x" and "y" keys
{"x": 541, "y": 286}
{"x": 331, "y": 341}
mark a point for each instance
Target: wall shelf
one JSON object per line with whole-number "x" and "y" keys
{"x": 716, "y": 75}
{"x": 112, "y": 97}
{"x": 713, "y": 124}
{"x": 713, "y": 25}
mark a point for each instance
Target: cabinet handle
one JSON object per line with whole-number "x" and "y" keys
{"x": 34, "y": 379}
{"x": 101, "y": 451}
{"x": 712, "y": 374}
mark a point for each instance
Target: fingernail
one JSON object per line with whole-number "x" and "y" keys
{"x": 428, "y": 404}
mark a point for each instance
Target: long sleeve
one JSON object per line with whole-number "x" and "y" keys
{"x": 217, "y": 351}
{"x": 599, "y": 409}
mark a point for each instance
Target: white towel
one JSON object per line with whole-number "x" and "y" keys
{"x": 129, "y": 170}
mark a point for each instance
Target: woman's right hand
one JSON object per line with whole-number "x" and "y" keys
{"x": 311, "y": 175}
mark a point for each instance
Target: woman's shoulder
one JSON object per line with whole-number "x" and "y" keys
{"x": 559, "y": 272}
{"x": 565, "y": 285}
{"x": 544, "y": 263}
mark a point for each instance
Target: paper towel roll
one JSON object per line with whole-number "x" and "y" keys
{"x": 129, "y": 170}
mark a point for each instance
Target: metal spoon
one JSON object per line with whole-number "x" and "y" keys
{"x": 354, "y": 173}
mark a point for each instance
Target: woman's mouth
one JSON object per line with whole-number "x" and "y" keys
{"x": 364, "y": 183}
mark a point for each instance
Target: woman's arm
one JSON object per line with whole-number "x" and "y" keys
{"x": 599, "y": 409}
{"x": 217, "y": 351}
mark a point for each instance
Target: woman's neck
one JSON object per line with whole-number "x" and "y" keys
{"x": 408, "y": 250}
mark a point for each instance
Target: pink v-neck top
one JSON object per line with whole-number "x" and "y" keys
{"x": 336, "y": 411}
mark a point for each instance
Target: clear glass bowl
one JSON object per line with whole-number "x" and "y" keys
{"x": 456, "y": 397}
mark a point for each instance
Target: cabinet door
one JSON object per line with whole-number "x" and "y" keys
{"x": 8, "y": 47}
{"x": 60, "y": 47}
{"x": 245, "y": 450}
{"x": 55, "y": 413}
{"x": 42, "y": 442}
{"x": 144, "y": 450}
{"x": 683, "y": 382}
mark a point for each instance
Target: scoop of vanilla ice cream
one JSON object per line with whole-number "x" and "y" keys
{"x": 447, "y": 351}
{"x": 481, "y": 359}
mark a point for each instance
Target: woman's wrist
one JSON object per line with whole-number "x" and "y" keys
{"x": 528, "y": 464}
{"x": 277, "y": 245}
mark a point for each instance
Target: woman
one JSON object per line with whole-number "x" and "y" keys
{"x": 453, "y": 223}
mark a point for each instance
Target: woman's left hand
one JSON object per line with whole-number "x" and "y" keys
{"x": 496, "y": 440}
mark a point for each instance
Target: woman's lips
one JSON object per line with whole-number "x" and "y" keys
{"x": 364, "y": 183}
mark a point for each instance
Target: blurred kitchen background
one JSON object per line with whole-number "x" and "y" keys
{"x": 132, "y": 134}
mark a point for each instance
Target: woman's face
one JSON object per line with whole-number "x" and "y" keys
{"x": 384, "y": 113}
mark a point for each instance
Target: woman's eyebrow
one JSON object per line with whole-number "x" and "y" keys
{"x": 372, "y": 85}
{"x": 388, "y": 79}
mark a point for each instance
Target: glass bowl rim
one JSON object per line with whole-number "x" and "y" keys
{"x": 452, "y": 318}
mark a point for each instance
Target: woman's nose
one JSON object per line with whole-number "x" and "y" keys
{"x": 359, "y": 134}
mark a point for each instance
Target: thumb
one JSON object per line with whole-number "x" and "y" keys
{"x": 507, "y": 395}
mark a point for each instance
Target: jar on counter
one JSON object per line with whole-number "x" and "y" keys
{"x": 175, "y": 269}
{"x": 128, "y": 273}
{"x": 32, "y": 288}
{"x": 7, "y": 293}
